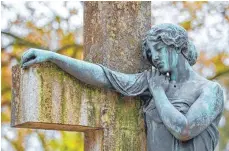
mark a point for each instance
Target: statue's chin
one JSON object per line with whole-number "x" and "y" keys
{"x": 163, "y": 71}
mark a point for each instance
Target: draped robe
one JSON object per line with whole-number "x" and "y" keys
{"x": 158, "y": 136}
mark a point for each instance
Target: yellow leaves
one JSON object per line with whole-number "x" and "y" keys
{"x": 58, "y": 19}
{"x": 73, "y": 11}
{"x": 5, "y": 94}
{"x": 17, "y": 142}
{"x": 193, "y": 6}
{"x": 203, "y": 59}
{"x": 186, "y": 24}
{"x": 5, "y": 57}
{"x": 17, "y": 51}
{"x": 216, "y": 61}
{"x": 6, "y": 79}
{"x": 6, "y": 97}
{"x": 227, "y": 18}
{"x": 5, "y": 115}
{"x": 70, "y": 141}
{"x": 73, "y": 141}
{"x": 67, "y": 39}
{"x": 74, "y": 50}
{"x": 37, "y": 38}
{"x": 30, "y": 25}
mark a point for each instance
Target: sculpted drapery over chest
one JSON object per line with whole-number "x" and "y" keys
{"x": 180, "y": 107}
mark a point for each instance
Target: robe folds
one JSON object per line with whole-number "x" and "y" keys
{"x": 158, "y": 136}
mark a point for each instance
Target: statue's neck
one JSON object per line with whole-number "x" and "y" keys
{"x": 183, "y": 71}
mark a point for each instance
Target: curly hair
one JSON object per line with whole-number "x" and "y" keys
{"x": 171, "y": 35}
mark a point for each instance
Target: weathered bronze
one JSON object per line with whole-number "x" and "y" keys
{"x": 181, "y": 109}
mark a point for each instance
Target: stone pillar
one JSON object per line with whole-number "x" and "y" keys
{"x": 113, "y": 32}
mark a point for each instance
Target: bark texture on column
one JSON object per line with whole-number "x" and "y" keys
{"x": 47, "y": 98}
{"x": 113, "y": 33}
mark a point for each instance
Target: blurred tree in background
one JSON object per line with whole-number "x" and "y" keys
{"x": 58, "y": 26}
{"x": 55, "y": 26}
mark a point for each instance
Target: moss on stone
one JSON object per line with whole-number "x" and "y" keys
{"x": 127, "y": 116}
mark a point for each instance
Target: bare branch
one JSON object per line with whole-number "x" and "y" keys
{"x": 219, "y": 74}
{"x": 69, "y": 46}
{"x": 22, "y": 41}
{"x": 10, "y": 44}
{"x": 5, "y": 103}
{"x": 4, "y": 90}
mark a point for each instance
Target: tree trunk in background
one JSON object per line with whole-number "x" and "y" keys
{"x": 113, "y": 32}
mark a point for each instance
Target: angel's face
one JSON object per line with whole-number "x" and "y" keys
{"x": 162, "y": 56}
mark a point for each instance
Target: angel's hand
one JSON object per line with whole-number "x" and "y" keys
{"x": 33, "y": 56}
{"x": 158, "y": 80}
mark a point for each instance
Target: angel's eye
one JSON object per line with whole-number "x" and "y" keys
{"x": 159, "y": 46}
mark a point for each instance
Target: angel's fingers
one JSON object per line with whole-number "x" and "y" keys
{"x": 166, "y": 78}
{"x": 27, "y": 56}
{"x": 158, "y": 73}
{"x": 155, "y": 72}
{"x": 29, "y": 63}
